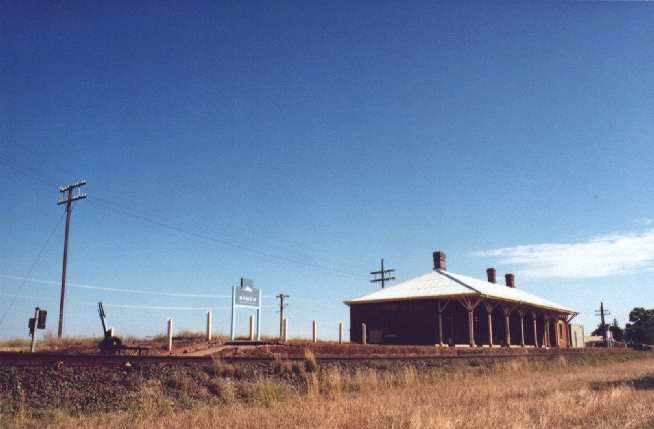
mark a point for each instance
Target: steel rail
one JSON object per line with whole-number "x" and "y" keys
{"x": 20, "y": 359}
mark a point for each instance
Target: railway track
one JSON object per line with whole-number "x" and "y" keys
{"x": 22, "y": 359}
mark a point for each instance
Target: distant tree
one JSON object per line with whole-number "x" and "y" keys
{"x": 599, "y": 330}
{"x": 641, "y": 326}
{"x": 616, "y": 331}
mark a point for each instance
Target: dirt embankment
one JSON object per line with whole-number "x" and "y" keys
{"x": 81, "y": 390}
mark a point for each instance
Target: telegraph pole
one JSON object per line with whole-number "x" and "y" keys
{"x": 67, "y": 198}
{"x": 602, "y": 312}
{"x": 281, "y": 298}
{"x": 384, "y": 275}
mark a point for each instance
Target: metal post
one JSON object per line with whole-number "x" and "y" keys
{"x": 170, "y": 335}
{"x": 340, "y": 332}
{"x": 314, "y": 331}
{"x": 232, "y": 334}
{"x": 36, "y": 322}
{"x": 259, "y": 317}
{"x": 364, "y": 334}
{"x": 209, "y": 325}
{"x": 251, "y": 332}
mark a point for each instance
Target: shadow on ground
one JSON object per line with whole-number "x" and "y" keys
{"x": 642, "y": 383}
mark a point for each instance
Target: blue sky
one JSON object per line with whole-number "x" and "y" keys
{"x": 298, "y": 143}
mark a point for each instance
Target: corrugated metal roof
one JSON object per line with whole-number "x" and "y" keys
{"x": 441, "y": 284}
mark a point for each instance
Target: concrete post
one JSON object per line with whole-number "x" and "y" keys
{"x": 471, "y": 327}
{"x": 285, "y": 330}
{"x": 170, "y": 335}
{"x": 340, "y": 332}
{"x": 522, "y": 329}
{"x": 209, "y": 325}
{"x": 259, "y": 310}
{"x": 364, "y": 334}
{"x": 251, "y": 332}
{"x": 557, "y": 339}
{"x": 314, "y": 331}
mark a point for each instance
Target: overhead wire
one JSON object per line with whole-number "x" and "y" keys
{"x": 165, "y": 223}
{"x": 34, "y": 263}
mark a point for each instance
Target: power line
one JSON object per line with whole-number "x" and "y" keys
{"x": 120, "y": 290}
{"x": 36, "y": 261}
{"x": 167, "y": 223}
{"x": 47, "y": 180}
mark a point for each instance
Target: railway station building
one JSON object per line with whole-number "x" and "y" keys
{"x": 448, "y": 309}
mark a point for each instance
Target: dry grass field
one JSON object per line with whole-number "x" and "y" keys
{"x": 519, "y": 394}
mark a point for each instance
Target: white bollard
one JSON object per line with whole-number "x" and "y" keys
{"x": 340, "y": 332}
{"x": 209, "y": 325}
{"x": 314, "y": 331}
{"x": 251, "y": 328}
{"x": 170, "y": 335}
{"x": 364, "y": 339}
{"x": 285, "y": 330}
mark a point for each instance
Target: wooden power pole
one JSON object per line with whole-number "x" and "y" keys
{"x": 281, "y": 298}
{"x": 67, "y": 198}
{"x": 603, "y": 312}
{"x": 384, "y": 275}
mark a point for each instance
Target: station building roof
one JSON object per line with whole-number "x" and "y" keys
{"x": 443, "y": 284}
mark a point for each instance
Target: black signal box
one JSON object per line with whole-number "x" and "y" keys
{"x": 43, "y": 314}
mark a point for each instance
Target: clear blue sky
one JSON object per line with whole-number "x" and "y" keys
{"x": 298, "y": 143}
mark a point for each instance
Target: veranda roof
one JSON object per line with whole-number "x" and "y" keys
{"x": 443, "y": 284}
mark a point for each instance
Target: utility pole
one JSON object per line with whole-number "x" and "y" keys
{"x": 281, "y": 298}
{"x": 67, "y": 198}
{"x": 602, "y": 312}
{"x": 383, "y": 275}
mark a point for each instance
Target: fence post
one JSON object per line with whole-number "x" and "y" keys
{"x": 314, "y": 331}
{"x": 209, "y": 325}
{"x": 340, "y": 332}
{"x": 285, "y": 330}
{"x": 170, "y": 335}
{"x": 364, "y": 339}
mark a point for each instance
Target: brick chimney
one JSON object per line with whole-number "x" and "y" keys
{"x": 510, "y": 280}
{"x": 439, "y": 260}
{"x": 491, "y": 275}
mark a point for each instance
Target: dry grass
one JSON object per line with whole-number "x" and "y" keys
{"x": 513, "y": 395}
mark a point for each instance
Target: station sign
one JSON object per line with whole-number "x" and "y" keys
{"x": 247, "y": 294}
